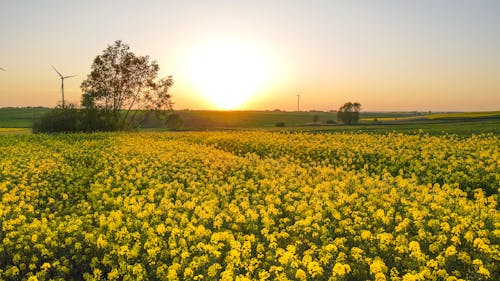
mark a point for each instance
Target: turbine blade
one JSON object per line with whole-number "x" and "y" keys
{"x": 57, "y": 71}
{"x": 2, "y": 69}
{"x": 69, "y": 76}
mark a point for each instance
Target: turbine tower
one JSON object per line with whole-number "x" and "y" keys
{"x": 62, "y": 83}
{"x": 298, "y": 100}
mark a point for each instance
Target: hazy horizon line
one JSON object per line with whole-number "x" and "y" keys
{"x": 284, "y": 110}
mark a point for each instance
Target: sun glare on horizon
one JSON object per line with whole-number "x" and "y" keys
{"x": 228, "y": 73}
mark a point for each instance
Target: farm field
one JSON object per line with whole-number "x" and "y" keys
{"x": 14, "y": 117}
{"x": 6, "y": 131}
{"x": 485, "y": 115}
{"x": 479, "y": 122}
{"x": 467, "y": 128}
{"x": 406, "y": 122}
{"x": 251, "y": 205}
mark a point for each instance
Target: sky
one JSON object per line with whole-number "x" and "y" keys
{"x": 400, "y": 55}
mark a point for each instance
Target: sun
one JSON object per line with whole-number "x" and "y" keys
{"x": 228, "y": 73}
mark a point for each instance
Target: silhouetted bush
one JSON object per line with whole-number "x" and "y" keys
{"x": 91, "y": 119}
{"x": 59, "y": 119}
{"x": 280, "y": 124}
{"x": 71, "y": 119}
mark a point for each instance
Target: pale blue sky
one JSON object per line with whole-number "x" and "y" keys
{"x": 388, "y": 55}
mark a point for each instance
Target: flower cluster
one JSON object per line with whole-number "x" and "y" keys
{"x": 249, "y": 205}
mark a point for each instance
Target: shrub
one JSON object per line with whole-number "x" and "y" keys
{"x": 71, "y": 119}
{"x": 59, "y": 119}
{"x": 280, "y": 124}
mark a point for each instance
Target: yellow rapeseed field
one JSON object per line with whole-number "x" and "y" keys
{"x": 249, "y": 206}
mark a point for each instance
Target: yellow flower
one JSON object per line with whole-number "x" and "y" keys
{"x": 357, "y": 253}
{"x": 213, "y": 269}
{"x": 113, "y": 274}
{"x": 483, "y": 271}
{"x": 45, "y": 266}
{"x": 450, "y": 251}
{"x": 365, "y": 234}
{"x": 101, "y": 241}
{"x": 300, "y": 274}
{"x": 314, "y": 269}
{"x": 340, "y": 269}
{"x": 414, "y": 246}
{"x": 160, "y": 229}
{"x": 378, "y": 267}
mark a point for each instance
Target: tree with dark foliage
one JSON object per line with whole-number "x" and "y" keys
{"x": 121, "y": 82}
{"x": 349, "y": 113}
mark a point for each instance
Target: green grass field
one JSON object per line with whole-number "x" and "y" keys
{"x": 251, "y": 119}
{"x": 464, "y": 123}
{"x": 435, "y": 116}
{"x": 486, "y": 114}
{"x": 408, "y": 120}
{"x": 457, "y": 128}
{"x": 14, "y": 117}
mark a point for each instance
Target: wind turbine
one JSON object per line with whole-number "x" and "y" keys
{"x": 62, "y": 83}
{"x": 298, "y": 100}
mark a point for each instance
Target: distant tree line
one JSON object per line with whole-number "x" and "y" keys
{"x": 121, "y": 92}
